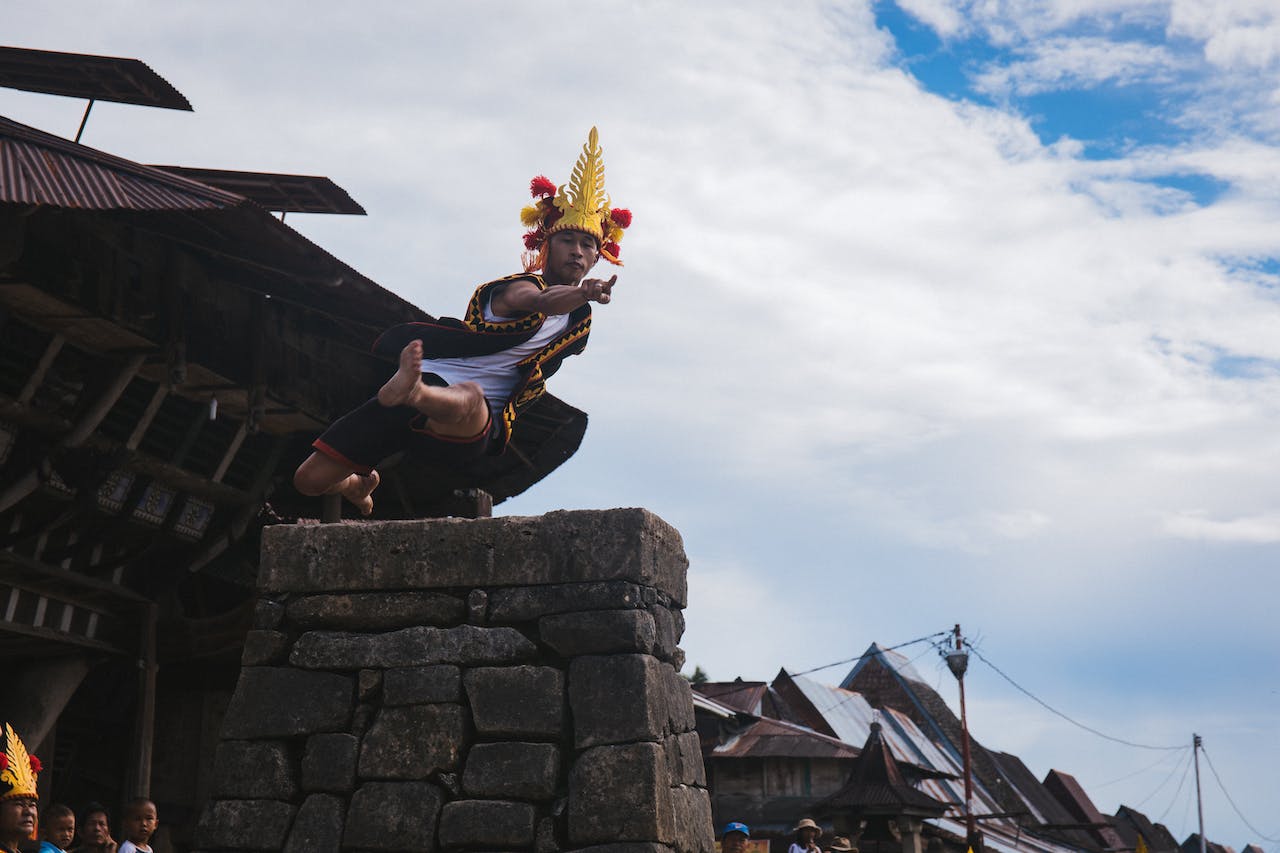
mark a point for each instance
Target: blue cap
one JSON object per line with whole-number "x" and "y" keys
{"x": 736, "y": 827}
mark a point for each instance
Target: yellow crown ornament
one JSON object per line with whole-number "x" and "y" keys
{"x": 18, "y": 769}
{"x": 579, "y": 205}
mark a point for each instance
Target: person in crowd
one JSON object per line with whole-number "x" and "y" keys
{"x": 807, "y": 835}
{"x": 57, "y": 828}
{"x": 95, "y": 830}
{"x": 138, "y": 825}
{"x": 734, "y": 838}
{"x": 840, "y": 844}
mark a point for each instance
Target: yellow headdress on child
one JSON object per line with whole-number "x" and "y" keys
{"x": 580, "y": 205}
{"x": 18, "y": 770}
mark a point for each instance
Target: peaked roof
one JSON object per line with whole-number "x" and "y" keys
{"x": 876, "y": 786}
{"x": 1130, "y": 823}
{"x": 1077, "y": 803}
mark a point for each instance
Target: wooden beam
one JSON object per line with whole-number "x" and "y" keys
{"x": 148, "y": 415}
{"x": 42, "y": 368}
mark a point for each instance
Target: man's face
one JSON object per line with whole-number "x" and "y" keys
{"x": 570, "y": 256}
{"x": 733, "y": 842}
{"x": 60, "y": 830}
{"x": 17, "y": 820}
{"x": 96, "y": 830}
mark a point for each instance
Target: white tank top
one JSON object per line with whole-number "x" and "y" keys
{"x": 496, "y": 373}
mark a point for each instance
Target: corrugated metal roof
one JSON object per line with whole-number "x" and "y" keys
{"x": 279, "y": 192}
{"x": 83, "y": 75}
{"x": 767, "y": 737}
{"x": 42, "y": 169}
{"x": 742, "y": 695}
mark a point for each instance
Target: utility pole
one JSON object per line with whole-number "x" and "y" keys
{"x": 1195, "y": 753}
{"x": 958, "y": 663}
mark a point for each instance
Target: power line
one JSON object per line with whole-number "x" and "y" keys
{"x": 1233, "y": 802}
{"x": 873, "y": 652}
{"x": 1055, "y": 711}
{"x": 1161, "y": 760}
{"x": 1176, "y": 791}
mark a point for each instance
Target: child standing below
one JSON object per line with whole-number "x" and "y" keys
{"x": 57, "y": 828}
{"x": 139, "y": 824}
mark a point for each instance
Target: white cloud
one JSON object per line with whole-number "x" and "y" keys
{"x": 1061, "y": 63}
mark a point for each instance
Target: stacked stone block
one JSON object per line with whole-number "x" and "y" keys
{"x": 468, "y": 685}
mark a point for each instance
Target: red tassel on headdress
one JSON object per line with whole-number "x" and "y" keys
{"x": 532, "y": 239}
{"x": 36, "y": 766}
{"x": 621, "y": 217}
{"x": 612, "y": 248}
{"x": 541, "y": 187}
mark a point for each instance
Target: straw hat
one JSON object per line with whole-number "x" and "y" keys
{"x": 807, "y": 823}
{"x": 840, "y": 844}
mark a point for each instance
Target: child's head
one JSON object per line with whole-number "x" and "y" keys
{"x": 139, "y": 822}
{"x": 58, "y": 825}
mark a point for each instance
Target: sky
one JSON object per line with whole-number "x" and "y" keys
{"x": 934, "y": 312}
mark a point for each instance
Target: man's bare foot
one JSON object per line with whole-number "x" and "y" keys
{"x": 402, "y": 388}
{"x": 359, "y": 490}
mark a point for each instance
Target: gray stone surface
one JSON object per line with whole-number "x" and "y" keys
{"x": 667, "y": 631}
{"x": 695, "y": 832}
{"x": 679, "y": 702}
{"x": 383, "y": 611}
{"x": 369, "y": 684}
{"x": 419, "y": 685}
{"x": 478, "y": 607}
{"x": 267, "y": 614}
{"x": 618, "y": 699}
{"x": 524, "y": 603}
{"x": 318, "y": 826}
{"x": 544, "y": 836}
{"x": 598, "y": 632}
{"x": 393, "y": 816}
{"x": 467, "y": 645}
{"x": 244, "y": 825}
{"x": 264, "y": 648}
{"x": 516, "y": 701}
{"x": 486, "y": 824}
{"x": 512, "y": 770}
{"x": 684, "y": 758}
{"x": 282, "y": 702}
{"x": 413, "y": 742}
{"x": 621, "y": 793}
{"x": 559, "y": 547}
{"x": 253, "y": 770}
{"x": 329, "y": 763}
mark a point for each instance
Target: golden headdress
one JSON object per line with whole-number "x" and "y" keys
{"x": 18, "y": 770}
{"x": 580, "y": 205}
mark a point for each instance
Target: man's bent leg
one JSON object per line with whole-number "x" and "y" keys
{"x": 453, "y": 410}
{"x": 323, "y": 475}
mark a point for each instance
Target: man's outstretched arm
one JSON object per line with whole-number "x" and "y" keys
{"x": 523, "y": 297}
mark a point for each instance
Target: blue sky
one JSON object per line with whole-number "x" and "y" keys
{"x": 945, "y": 311}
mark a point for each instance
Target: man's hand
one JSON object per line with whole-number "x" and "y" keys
{"x": 598, "y": 290}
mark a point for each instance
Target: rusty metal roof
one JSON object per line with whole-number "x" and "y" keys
{"x": 82, "y": 75}
{"x": 741, "y": 695}
{"x": 289, "y": 193}
{"x": 767, "y": 737}
{"x": 42, "y": 169}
